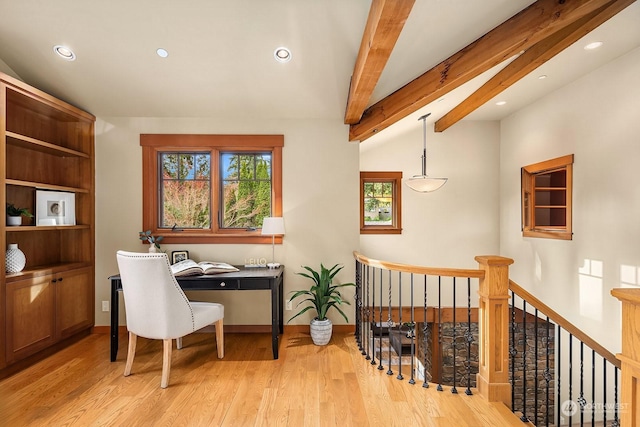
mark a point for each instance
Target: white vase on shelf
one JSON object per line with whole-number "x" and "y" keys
{"x": 15, "y": 259}
{"x": 152, "y": 249}
{"x": 12, "y": 221}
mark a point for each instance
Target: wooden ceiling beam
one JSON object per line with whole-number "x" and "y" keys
{"x": 520, "y": 32}
{"x": 384, "y": 24}
{"x": 535, "y": 56}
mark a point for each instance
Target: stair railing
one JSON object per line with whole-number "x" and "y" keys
{"x": 564, "y": 377}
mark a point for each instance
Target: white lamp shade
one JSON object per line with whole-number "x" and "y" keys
{"x": 273, "y": 226}
{"x": 424, "y": 184}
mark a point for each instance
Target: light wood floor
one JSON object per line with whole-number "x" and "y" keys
{"x": 307, "y": 386}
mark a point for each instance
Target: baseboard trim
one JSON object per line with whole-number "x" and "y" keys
{"x": 242, "y": 329}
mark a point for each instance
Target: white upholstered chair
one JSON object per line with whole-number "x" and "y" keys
{"x": 157, "y": 308}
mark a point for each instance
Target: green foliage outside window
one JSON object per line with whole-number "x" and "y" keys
{"x": 246, "y": 183}
{"x": 245, "y": 196}
{"x": 378, "y": 200}
{"x": 186, "y": 190}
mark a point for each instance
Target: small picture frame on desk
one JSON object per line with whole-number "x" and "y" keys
{"x": 55, "y": 208}
{"x": 177, "y": 256}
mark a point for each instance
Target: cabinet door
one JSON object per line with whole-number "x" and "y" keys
{"x": 74, "y": 301}
{"x": 30, "y": 316}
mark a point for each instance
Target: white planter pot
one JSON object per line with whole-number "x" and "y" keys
{"x": 14, "y": 220}
{"x": 321, "y": 331}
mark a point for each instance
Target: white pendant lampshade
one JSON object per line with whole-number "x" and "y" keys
{"x": 273, "y": 226}
{"x": 423, "y": 183}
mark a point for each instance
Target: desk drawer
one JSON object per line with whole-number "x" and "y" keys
{"x": 225, "y": 284}
{"x": 209, "y": 284}
{"x": 255, "y": 284}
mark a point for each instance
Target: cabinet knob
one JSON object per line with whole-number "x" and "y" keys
{"x": 60, "y": 279}
{"x": 223, "y": 284}
{"x": 54, "y": 280}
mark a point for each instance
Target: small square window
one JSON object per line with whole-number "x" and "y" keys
{"x": 380, "y": 197}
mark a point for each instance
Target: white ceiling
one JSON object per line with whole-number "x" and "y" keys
{"x": 221, "y": 54}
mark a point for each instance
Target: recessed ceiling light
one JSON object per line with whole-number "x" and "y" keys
{"x": 282, "y": 54}
{"x": 64, "y": 53}
{"x": 501, "y": 102}
{"x": 593, "y": 45}
{"x": 162, "y": 53}
{"x": 542, "y": 77}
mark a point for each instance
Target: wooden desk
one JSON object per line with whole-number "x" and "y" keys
{"x": 247, "y": 279}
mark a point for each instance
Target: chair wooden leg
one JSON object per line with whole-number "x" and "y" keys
{"x": 179, "y": 343}
{"x": 130, "y": 354}
{"x": 220, "y": 338}
{"x": 166, "y": 363}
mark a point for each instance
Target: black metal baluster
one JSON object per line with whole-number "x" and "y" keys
{"x": 547, "y": 375}
{"x": 604, "y": 390}
{"x": 368, "y": 336}
{"x": 439, "y": 388}
{"x": 469, "y": 338}
{"x": 513, "y": 352}
{"x": 400, "y": 377}
{"x": 581, "y": 400}
{"x": 558, "y": 365}
{"x": 571, "y": 376}
{"x": 593, "y": 387}
{"x": 616, "y": 421}
{"x": 381, "y": 327}
{"x": 413, "y": 337}
{"x": 389, "y": 325}
{"x": 358, "y": 304}
{"x": 454, "y": 390}
{"x": 373, "y": 316}
{"x": 425, "y": 329}
{"x": 524, "y": 418}
{"x": 535, "y": 379}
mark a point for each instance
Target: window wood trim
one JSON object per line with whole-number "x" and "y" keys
{"x": 528, "y": 199}
{"x": 396, "y": 178}
{"x": 152, "y": 144}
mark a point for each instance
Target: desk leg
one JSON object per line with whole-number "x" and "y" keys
{"x": 281, "y": 306}
{"x": 276, "y": 310}
{"x": 114, "y": 319}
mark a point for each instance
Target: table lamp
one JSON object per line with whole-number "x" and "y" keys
{"x": 273, "y": 226}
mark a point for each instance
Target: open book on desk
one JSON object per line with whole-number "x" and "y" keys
{"x": 189, "y": 267}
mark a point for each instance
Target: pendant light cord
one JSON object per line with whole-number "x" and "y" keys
{"x": 424, "y": 143}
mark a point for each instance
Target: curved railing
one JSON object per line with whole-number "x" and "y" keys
{"x": 392, "y": 298}
{"x": 427, "y": 320}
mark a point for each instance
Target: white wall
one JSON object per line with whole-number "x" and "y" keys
{"x": 448, "y": 227}
{"x": 597, "y": 118}
{"x": 320, "y": 204}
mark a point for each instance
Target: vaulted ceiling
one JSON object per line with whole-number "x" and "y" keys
{"x": 417, "y": 55}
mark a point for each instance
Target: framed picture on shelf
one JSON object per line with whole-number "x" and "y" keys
{"x": 177, "y": 256}
{"x": 55, "y": 208}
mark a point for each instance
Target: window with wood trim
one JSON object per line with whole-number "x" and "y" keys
{"x": 211, "y": 188}
{"x": 380, "y": 203}
{"x": 546, "y": 198}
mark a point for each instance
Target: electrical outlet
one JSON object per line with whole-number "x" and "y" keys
{"x": 105, "y": 305}
{"x": 289, "y": 305}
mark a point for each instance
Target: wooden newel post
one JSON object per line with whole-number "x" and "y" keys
{"x": 630, "y": 356}
{"x": 493, "y": 326}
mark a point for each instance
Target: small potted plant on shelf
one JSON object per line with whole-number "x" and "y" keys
{"x": 14, "y": 214}
{"x": 154, "y": 241}
{"x": 322, "y": 296}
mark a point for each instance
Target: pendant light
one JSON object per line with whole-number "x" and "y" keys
{"x": 422, "y": 183}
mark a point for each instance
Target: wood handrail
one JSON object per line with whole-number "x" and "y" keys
{"x": 563, "y": 323}
{"x": 408, "y": 268}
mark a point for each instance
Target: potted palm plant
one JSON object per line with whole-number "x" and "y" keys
{"x": 322, "y": 296}
{"x": 14, "y": 214}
